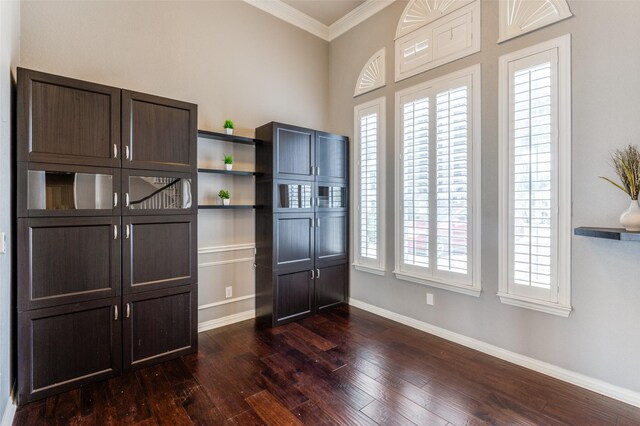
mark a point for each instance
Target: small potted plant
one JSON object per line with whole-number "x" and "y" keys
{"x": 224, "y": 196}
{"x": 228, "y": 162}
{"x": 626, "y": 163}
{"x": 228, "y": 127}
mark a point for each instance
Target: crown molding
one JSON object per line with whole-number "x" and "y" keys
{"x": 358, "y": 15}
{"x": 301, "y": 20}
{"x": 293, "y": 16}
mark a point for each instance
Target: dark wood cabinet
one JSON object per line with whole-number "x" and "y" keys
{"x": 152, "y": 192}
{"x": 159, "y": 325}
{"x": 67, "y": 260}
{"x": 158, "y": 133}
{"x": 67, "y": 121}
{"x": 302, "y": 244}
{"x": 158, "y": 252}
{"x": 106, "y": 232}
{"x": 331, "y": 236}
{"x": 293, "y": 238}
{"x": 332, "y": 157}
{"x": 290, "y": 151}
{"x": 68, "y": 346}
{"x": 331, "y": 285}
{"x": 294, "y": 296}
{"x": 67, "y": 190}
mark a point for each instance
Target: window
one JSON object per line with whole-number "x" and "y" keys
{"x": 535, "y": 177}
{"x": 369, "y": 131}
{"x": 438, "y": 182}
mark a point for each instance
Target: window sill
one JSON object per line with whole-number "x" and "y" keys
{"x": 369, "y": 269}
{"x": 455, "y": 287}
{"x": 536, "y": 305}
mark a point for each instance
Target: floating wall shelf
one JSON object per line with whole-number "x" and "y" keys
{"x": 228, "y": 172}
{"x": 232, "y": 206}
{"x": 225, "y": 137}
{"x": 608, "y": 233}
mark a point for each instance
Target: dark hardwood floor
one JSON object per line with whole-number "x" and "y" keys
{"x": 342, "y": 367}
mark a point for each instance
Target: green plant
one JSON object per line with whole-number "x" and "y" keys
{"x": 228, "y": 159}
{"x": 626, "y": 163}
{"x": 224, "y": 194}
{"x": 228, "y": 124}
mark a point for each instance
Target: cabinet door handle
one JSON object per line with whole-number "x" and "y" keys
{"x": 317, "y": 273}
{"x": 115, "y": 150}
{"x": 115, "y": 232}
{"x": 126, "y": 152}
{"x": 127, "y": 232}
{"x": 312, "y": 274}
{"x": 317, "y": 201}
{"x": 126, "y": 199}
{"x": 318, "y": 222}
{"x": 115, "y": 313}
{"x": 317, "y": 170}
{"x": 128, "y": 310}
{"x": 115, "y": 199}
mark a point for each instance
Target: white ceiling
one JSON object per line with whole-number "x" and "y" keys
{"x": 325, "y": 11}
{"x": 326, "y": 19}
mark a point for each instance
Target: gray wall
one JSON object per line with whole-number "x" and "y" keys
{"x": 9, "y": 56}
{"x": 599, "y": 339}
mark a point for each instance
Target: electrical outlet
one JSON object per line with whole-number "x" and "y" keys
{"x": 430, "y": 299}
{"x": 228, "y": 292}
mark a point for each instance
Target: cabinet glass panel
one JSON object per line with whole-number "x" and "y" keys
{"x": 294, "y": 196}
{"x": 332, "y": 197}
{"x": 69, "y": 191}
{"x": 159, "y": 193}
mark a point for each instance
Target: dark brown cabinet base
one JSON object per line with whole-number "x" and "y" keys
{"x": 159, "y": 325}
{"x": 67, "y": 346}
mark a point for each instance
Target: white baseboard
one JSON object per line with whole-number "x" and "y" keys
{"x": 590, "y": 383}
{"x": 221, "y": 322}
{"x": 9, "y": 413}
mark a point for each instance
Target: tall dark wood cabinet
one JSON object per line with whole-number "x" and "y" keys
{"x": 107, "y": 225}
{"x": 302, "y": 222}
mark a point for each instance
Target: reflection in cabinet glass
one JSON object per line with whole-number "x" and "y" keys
{"x": 50, "y": 190}
{"x": 159, "y": 193}
{"x": 332, "y": 197}
{"x": 294, "y": 196}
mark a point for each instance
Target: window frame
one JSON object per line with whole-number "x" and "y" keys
{"x": 558, "y": 301}
{"x": 471, "y": 284}
{"x": 361, "y": 263}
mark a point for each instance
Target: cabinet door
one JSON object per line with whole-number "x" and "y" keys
{"x": 154, "y": 193}
{"x": 331, "y": 197}
{"x": 293, "y": 295}
{"x": 159, "y": 325}
{"x": 158, "y": 133}
{"x": 62, "y": 120}
{"x": 293, "y": 240}
{"x": 67, "y": 260}
{"x": 292, "y": 196}
{"x": 331, "y": 286}
{"x": 331, "y": 236}
{"x": 66, "y": 347}
{"x": 64, "y": 190}
{"x": 158, "y": 252}
{"x": 332, "y": 157}
{"x": 294, "y": 152}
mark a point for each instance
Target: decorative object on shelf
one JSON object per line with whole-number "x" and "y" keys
{"x": 224, "y": 196}
{"x": 626, "y": 163}
{"x": 228, "y": 127}
{"x": 228, "y": 162}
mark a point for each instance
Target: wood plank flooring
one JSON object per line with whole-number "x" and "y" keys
{"x": 345, "y": 367}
